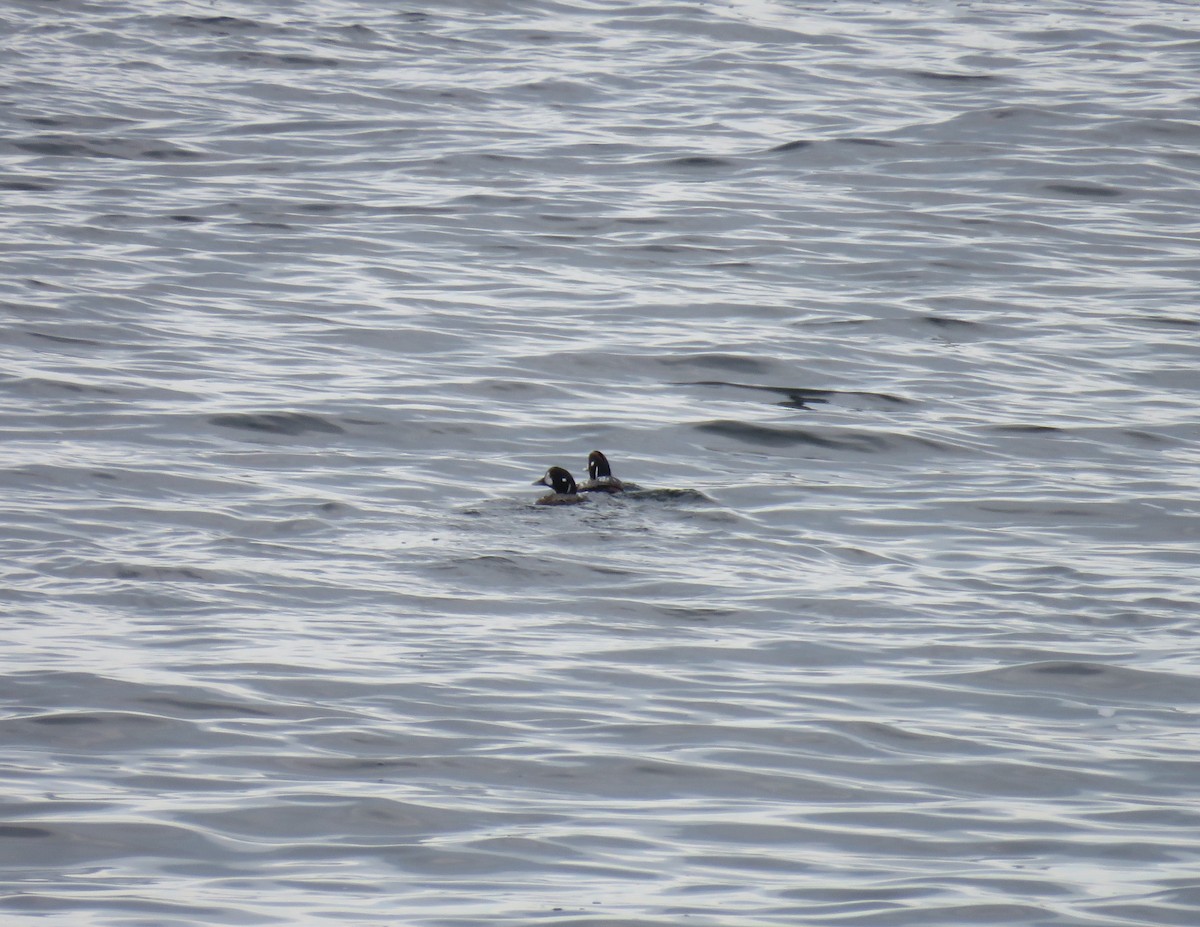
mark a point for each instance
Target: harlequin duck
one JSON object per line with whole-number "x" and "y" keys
{"x": 600, "y": 478}
{"x": 563, "y": 484}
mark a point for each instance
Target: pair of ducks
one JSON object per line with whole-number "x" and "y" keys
{"x": 565, "y": 492}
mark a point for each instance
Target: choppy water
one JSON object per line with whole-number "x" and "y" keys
{"x": 892, "y": 309}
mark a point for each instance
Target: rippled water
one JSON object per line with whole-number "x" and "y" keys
{"x": 891, "y": 310}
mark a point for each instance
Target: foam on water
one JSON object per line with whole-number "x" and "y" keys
{"x": 888, "y": 310}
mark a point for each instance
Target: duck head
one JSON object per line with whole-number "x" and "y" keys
{"x": 559, "y": 480}
{"x": 598, "y": 468}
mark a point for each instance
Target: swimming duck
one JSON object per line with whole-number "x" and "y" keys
{"x": 600, "y": 478}
{"x": 565, "y": 492}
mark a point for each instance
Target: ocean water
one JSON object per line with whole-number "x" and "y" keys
{"x": 889, "y": 308}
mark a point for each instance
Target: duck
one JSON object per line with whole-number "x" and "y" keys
{"x": 563, "y": 485}
{"x": 600, "y": 478}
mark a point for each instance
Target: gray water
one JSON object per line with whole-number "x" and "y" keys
{"x": 890, "y": 308}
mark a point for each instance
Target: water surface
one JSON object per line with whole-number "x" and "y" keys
{"x": 888, "y": 308}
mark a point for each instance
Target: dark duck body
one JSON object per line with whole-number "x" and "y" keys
{"x": 600, "y": 477}
{"x": 562, "y": 484}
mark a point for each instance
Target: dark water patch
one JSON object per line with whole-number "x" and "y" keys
{"x": 158, "y": 574}
{"x": 363, "y": 36}
{"x": 117, "y": 219}
{"x": 506, "y": 564}
{"x": 17, "y": 831}
{"x": 284, "y": 61}
{"x": 280, "y": 423}
{"x": 64, "y": 339}
{"x": 945, "y": 321}
{"x": 642, "y": 220}
{"x": 205, "y": 707}
{"x": 1094, "y": 191}
{"x": 698, "y": 161}
{"x": 65, "y": 719}
{"x": 676, "y": 249}
{"x": 606, "y": 569}
{"x": 1022, "y": 429}
{"x": 326, "y": 209}
{"x": 1091, "y": 680}
{"x": 861, "y": 895}
{"x": 77, "y": 845}
{"x": 797, "y": 145}
{"x": 775, "y": 436}
{"x": 1150, "y": 438}
{"x": 79, "y": 122}
{"x": 41, "y": 385}
{"x": 1038, "y": 509}
{"x": 702, "y": 614}
{"x": 496, "y": 200}
{"x": 123, "y": 149}
{"x": 865, "y": 142}
{"x": 1067, "y": 669}
{"x": 559, "y": 90}
{"x": 102, "y": 730}
{"x": 217, "y": 25}
{"x": 799, "y": 397}
{"x": 1172, "y": 321}
{"x": 735, "y": 362}
{"x": 410, "y": 209}
{"x": 185, "y": 218}
{"x": 951, "y": 77}
{"x": 25, "y": 186}
{"x": 836, "y": 323}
